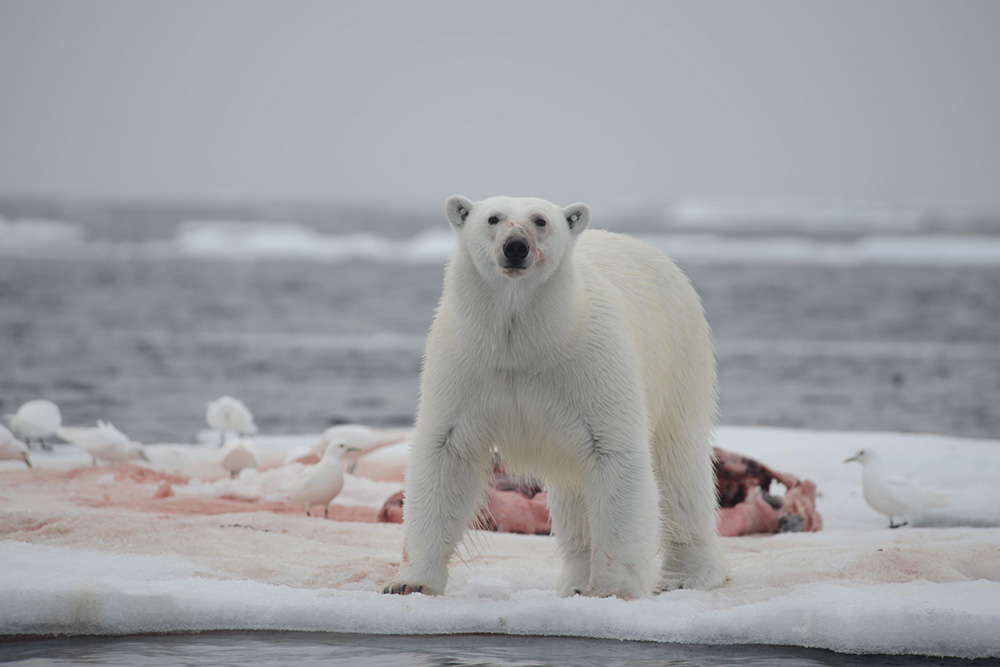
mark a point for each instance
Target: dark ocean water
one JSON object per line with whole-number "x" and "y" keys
{"x": 146, "y": 343}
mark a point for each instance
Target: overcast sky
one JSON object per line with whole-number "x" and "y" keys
{"x": 889, "y": 101}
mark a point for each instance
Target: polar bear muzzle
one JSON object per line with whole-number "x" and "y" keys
{"x": 515, "y": 251}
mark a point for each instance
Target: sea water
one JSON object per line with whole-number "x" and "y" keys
{"x": 266, "y": 649}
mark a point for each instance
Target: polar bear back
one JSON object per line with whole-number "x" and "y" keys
{"x": 666, "y": 322}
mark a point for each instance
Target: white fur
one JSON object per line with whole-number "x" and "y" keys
{"x": 591, "y": 364}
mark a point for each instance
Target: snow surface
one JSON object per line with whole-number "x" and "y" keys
{"x": 85, "y": 556}
{"x": 241, "y": 240}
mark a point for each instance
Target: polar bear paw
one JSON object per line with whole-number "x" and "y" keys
{"x": 703, "y": 581}
{"x": 575, "y": 576}
{"x": 701, "y": 567}
{"x": 406, "y": 588}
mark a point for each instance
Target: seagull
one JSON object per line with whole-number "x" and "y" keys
{"x": 36, "y": 419}
{"x": 358, "y": 437}
{"x": 104, "y": 442}
{"x": 322, "y": 482}
{"x": 237, "y": 454}
{"x": 11, "y": 448}
{"x": 230, "y": 414}
{"x": 891, "y": 496}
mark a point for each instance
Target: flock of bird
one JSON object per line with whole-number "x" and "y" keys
{"x": 320, "y": 483}
{"x": 40, "y": 419}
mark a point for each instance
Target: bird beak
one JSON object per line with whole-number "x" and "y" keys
{"x": 28, "y": 461}
{"x": 354, "y": 449}
{"x": 143, "y": 456}
{"x": 853, "y": 458}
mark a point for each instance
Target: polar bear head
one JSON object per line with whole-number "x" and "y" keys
{"x": 512, "y": 238}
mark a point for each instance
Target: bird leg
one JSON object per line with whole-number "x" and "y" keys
{"x": 326, "y": 511}
{"x": 896, "y": 525}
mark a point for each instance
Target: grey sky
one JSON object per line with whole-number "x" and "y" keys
{"x": 892, "y": 101}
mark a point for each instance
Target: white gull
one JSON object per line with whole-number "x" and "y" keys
{"x": 892, "y": 496}
{"x": 36, "y": 419}
{"x": 360, "y": 438}
{"x": 238, "y": 454}
{"x": 104, "y": 442}
{"x": 229, "y": 414}
{"x": 12, "y": 449}
{"x": 321, "y": 483}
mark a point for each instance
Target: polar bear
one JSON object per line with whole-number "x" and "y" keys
{"x": 583, "y": 357}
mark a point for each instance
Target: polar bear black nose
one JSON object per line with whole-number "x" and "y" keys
{"x": 515, "y": 249}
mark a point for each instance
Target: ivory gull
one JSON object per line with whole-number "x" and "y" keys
{"x": 237, "y": 454}
{"x": 323, "y": 481}
{"x": 36, "y": 419}
{"x": 360, "y": 438}
{"x": 228, "y": 414}
{"x": 104, "y": 442}
{"x": 11, "y": 448}
{"x": 892, "y": 496}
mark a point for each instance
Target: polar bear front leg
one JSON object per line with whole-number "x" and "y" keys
{"x": 444, "y": 482}
{"x": 571, "y": 527}
{"x": 622, "y": 507}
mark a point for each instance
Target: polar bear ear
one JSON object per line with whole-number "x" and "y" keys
{"x": 578, "y": 217}
{"x": 458, "y": 208}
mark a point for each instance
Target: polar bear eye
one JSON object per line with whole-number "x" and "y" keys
{"x": 493, "y": 220}
{"x": 539, "y": 222}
